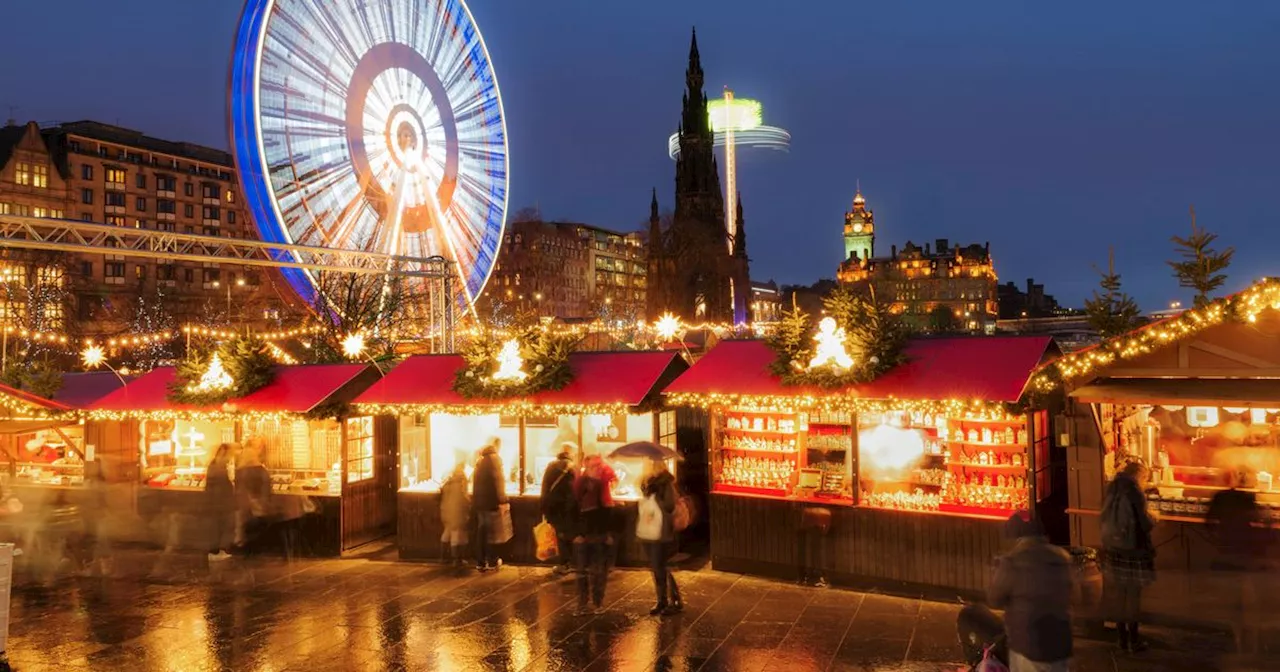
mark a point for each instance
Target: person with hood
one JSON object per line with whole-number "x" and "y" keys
{"x": 220, "y": 503}
{"x": 455, "y": 511}
{"x": 593, "y": 546}
{"x": 661, "y": 485}
{"x": 488, "y": 494}
{"x": 557, "y": 502}
{"x": 1033, "y": 583}
{"x": 1128, "y": 554}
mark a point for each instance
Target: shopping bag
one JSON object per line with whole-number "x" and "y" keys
{"x": 500, "y": 530}
{"x": 649, "y": 523}
{"x": 545, "y": 536}
{"x": 991, "y": 662}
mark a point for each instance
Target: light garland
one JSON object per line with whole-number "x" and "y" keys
{"x": 514, "y": 408}
{"x": 1246, "y": 306}
{"x": 831, "y": 403}
{"x": 229, "y": 413}
{"x": 280, "y": 355}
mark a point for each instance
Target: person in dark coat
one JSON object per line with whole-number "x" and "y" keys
{"x": 1128, "y": 555}
{"x": 455, "y": 511}
{"x": 488, "y": 494}
{"x": 558, "y": 504}
{"x": 661, "y": 485}
{"x": 220, "y": 503}
{"x": 1033, "y": 585}
{"x": 1236, "y": 521}
{"x": 593, "y": 545}
{"x": 253, "y": 496}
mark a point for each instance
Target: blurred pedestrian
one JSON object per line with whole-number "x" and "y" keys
{"x": 290, "y": 510}
{"x": 661, "y": 486}
{"x": 455, "y": 512}
{"x": 1236, "y": 522}
{"x": 593, "y": 546}
{"x": 1033, "y": 583}
{"x": 558, "y": 505}
{"x": 96, "y": 546}
{"x": 488, "y": 498}
{"x": 220, "y": 503}
{"x": 1128, "y": 554}
{"x": 253, "y": 496}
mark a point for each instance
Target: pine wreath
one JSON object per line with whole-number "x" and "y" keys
{"x": 545, "y": 363}
{"x": 873, "y": 338}
{"x": 244, "y": 359}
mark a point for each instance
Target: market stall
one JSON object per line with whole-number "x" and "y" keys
{"x": 1196, "y": 398}
{"x": 610, "y": 400}
{"x": 308, "y": 442}
{"x": 919, "y": 468}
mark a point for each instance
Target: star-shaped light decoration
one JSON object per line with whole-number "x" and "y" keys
{"x": 93, "y": 356}
{"x": 667, "y": 326}
{"x": 353, "y": 345}
{"x": 830, "y": 348}
{"x": 214, "y": 378}
{"x": 510, "y": 363}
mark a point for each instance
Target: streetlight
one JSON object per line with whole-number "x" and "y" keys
{"x": 239, "y": 283}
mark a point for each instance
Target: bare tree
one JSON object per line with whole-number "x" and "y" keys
{"x": 385, "y": 309}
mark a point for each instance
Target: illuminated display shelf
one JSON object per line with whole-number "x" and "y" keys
{"x": 783, "y": 462}
{"x": 49, "y": 475}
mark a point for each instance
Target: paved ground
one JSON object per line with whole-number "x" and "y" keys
{"x": 368, "y": 615}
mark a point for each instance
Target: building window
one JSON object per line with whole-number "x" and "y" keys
{"x": 189, "y": 274}
{"x": 164, "y": 271}
{"x": 212, "y": 212}
{"x": 114, "y": 199}
{"x": 22, "y": 175}
{"x": 211, "y": 231}
{"x": 113, "y": 269}
{"x": 21, "y": 210}
{"x": 86, "y": 172}
{"x": 231, "y": 217}
{"x": 188, "y": 210}
{"x": 189, "y": 189}
{"x": 140, "y": 180}
{"x": 115, "y": 176}
{"x": 86, "y": 268}
{"x": 166, "y": 206}
{"x": 359, "y": 449}
{"x": 40, "y": 176}
{"x": 212, "y": 275}
{"x": 115, "y": 220}
{"x": 166, "y": 183}
{"x": 86, "y": 196}
{"x": 209, "y": 191}
{"x": 140, "y": 272}
{"x": 140, "y": 204}
{"x": 164, "y": 226}
{"x": 231, "y": 196}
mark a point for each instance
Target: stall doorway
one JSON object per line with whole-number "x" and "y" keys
{"x": 369, "y": 487}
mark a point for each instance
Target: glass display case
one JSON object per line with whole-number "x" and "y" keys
{"x": 432, "y": 446}
{"x": 1194, "y": 452}
{"x": 49, "y": 457}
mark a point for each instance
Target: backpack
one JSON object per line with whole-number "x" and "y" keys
{"x": 682, "y": 517}
{"x": 1119, "y": 522}
{"x": 589, "y": 496}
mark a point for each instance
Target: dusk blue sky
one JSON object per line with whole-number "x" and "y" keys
{"x": 1052, "y": 130}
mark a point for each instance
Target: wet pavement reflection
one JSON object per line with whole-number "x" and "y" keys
{"x": 176, "y": 613}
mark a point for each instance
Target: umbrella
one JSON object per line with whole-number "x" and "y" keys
{"x": 647, "y": 449}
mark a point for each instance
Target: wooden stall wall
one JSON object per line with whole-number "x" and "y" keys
{"x": 369, "y": 507}
{"x": 761, "y": 536}
{"x": 1085, "y": 480}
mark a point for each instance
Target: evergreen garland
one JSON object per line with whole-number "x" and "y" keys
{"x": 244, "y": 358}
{"x": 874, "y": 338}
{"x": 546, "y": 363}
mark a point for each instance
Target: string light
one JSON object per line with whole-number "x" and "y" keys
{"x": 280, "y": 355}
{"x": 514, "y": 408}
{"x": 1245, "y": 306}
{"x": 832, "y": 403}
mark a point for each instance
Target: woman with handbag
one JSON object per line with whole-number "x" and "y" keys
{"x": 489, "y": 503}
{"x": 658, "y": 516}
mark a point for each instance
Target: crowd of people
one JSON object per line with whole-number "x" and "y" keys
{"x": 577, "y": 502}
{"x": 1033, "y": 583}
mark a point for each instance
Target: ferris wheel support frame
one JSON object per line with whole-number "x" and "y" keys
{"x": 64, "y": 235}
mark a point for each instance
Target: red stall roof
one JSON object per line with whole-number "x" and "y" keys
{"x": 80, "y": 390}
{"x": 989, "y": 368}
{"x": 29, "y": 399}
{"x": 623, "y": 378}
{"x": 295, "y": 389}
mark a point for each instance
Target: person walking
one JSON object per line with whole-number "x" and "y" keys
{"x": 1236, "y": 522}
{"x": 220, "y": 503}
{"x": 558, "y": 505}
{"x": 661, "y": 486}
{"x": 488, "y": 495}
{"x": 592, "y": 547}
{"x": 1033, "y": 584}
{"x": 253, "y": 496}
{"x": 1128, "y": 554}
{"x": 455, "y": 511}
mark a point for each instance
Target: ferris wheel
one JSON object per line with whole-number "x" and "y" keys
{"x": 374, "y": 126}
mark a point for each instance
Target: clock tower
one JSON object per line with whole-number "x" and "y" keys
{"x": 859, "y": 230}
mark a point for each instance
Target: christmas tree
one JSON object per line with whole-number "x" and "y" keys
{"x": 1112, "y": 312}
{"x": 1201, "y": 266}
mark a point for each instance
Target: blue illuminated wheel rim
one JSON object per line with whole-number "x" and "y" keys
{"x": 374, "y": 126}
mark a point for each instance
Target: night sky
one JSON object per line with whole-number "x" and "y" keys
{"x": 1051, "y": 130}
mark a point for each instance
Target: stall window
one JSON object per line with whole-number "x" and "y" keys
{"x": 458, "y": 439}
{"x": 359, "y": 449}
{"x": 49, "y": 456}
{"x": 604, "y": 434}
{"x": 415, "y": 456}
{"x": 544, "y": 438}
{"x": 303, "y": 457}
{"x": 174, "y": 454}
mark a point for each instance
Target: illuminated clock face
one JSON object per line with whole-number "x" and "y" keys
{"x": 857, "y": 228}
{"x": 371, "y": 126}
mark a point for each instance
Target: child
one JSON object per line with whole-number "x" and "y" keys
{"x": 455, "y": 513}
